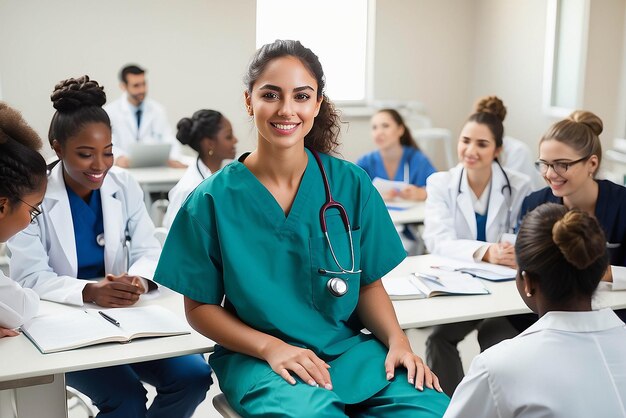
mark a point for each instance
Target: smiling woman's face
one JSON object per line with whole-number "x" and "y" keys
{"x": 86, "y": 157}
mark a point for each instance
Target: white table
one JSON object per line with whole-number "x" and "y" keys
{"x": 156, "y": 179}
{"x": 404, "y": 213}
{"x": 40, "y": 378}
{"x": 503, "y": 300}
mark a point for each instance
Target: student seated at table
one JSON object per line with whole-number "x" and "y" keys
{"x": 251, "y": 235}
{"x": 77, "y": 252}
{"x": 570, "y": 153}
{"x": 397, "y": 157}
{"x": 22, "y": 186}
{"x": 468, "y": 208}
{"x": 210, "y": 134}
{"x": 571, "y": 362}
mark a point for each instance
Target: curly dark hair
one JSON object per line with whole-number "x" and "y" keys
{"x": 22, "y": 168}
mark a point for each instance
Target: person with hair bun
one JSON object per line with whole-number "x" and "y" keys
{"x": 570, "y": 154}
{"x": 515, "y": 154}
{"x": 398, "y": 157}
{"x": 95, "y": 243}
{"x": 279, "y": 257}
{"x": 468, "y": 209}
{"x": 210, "y": 134}
{"x": 571, "y": 362}
{"x": 22, "y": 187}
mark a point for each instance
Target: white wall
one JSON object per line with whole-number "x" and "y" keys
{"x": 444, "y": 53}
{"x": 195, "y": 51}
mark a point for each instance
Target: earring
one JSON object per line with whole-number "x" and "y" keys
{"x": 528, "y": 294}
{"x": 210, "y": 152}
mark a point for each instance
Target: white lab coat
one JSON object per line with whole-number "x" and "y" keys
{"x": 188, "y": 182}
{"x": 516, "y": 155}
{"x": 449, "y": 217}
{"x": 43, "y": 256}
{"x": 17, "y": 305}
{"x": 568, "y": 364}
{"x": 154, "y": 126}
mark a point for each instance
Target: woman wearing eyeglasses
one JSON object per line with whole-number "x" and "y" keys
{"x": 570, "y": 154}
{"x": 76, "y": 253}
{"x": 22, "y": 187}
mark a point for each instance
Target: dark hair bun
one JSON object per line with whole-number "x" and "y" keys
{"x": 493, "y": 105}
{"x": 184, "y": 127}
{"x": 589, "y": 119}
{"x": 72, "y": 94}
{"x": 575, "y": 237}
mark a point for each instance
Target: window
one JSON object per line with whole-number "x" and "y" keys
{"x": 335, "y": 30}
{"x": 566, "y": 52}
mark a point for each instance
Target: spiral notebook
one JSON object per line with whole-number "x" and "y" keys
{"x": 81, "y": 328}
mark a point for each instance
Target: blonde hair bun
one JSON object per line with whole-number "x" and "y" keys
{"x": 589, "y": 119}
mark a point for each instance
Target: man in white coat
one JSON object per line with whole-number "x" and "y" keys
{"x": 134, "y": 118}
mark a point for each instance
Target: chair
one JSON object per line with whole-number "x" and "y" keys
{"x": 75, "y": 400}
{"x": 160, "y": 234}
{"x": 437, "y": 144}
{"x": 221, "y": 405}
{"x": 157, "y": 211}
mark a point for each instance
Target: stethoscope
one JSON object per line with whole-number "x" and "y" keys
{"x": 125, "y": 241}
{"x": 335, "y": 285}
{"x": 198, "y": 168}
{"x": 509, "y": 201}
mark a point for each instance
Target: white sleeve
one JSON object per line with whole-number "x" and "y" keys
{"x": 440, "y": 232}
{"x": 619, "y": 277}
{"x": 30, "y": 267}
{"x": 17, "y": 305}
{"x": 474, "y": 396}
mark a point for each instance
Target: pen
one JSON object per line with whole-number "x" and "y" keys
{"x": 108, "y": 318}
{"x": 428, "y": 277}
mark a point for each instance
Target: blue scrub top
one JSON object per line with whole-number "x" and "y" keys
{"x": 88, "y": 224}
{"x": 420, "y": 166}
{"x": 232, "y": 239}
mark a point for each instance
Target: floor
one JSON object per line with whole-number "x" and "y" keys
{"x": 468, "y": 348}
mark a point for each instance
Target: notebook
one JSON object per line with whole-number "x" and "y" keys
{"x": 142, "y": 154}
{"x": 428, "y": 284}
{"x": 81, "y": 328}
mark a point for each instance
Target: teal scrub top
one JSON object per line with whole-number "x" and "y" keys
{"x": 232, "y": 239}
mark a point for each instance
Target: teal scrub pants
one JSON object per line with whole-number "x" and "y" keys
{"x": 273, "y": 397}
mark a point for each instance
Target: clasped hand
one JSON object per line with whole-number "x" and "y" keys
{"x": 115, "y": 291}
{"x": 501, "y": 253}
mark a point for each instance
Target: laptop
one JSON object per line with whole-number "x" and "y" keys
{"x": 149, "y": 154}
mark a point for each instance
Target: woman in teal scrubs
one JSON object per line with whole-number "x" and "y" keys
{"x": 250, "y": 236}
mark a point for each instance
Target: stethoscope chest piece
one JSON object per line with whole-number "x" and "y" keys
{"x": 337, "y": 287}
{"x": 100, "y": 240}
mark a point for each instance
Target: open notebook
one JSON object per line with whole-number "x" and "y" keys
{"x": 73, "y": 329}
{"x": 428, "y": 284}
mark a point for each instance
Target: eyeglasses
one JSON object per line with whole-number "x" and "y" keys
{"x": 559, "y": 168}
{"x": 34, "y": 212}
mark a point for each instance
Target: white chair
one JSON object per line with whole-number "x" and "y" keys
{"x": 437, "y": 144}
{"x": 221, "y": 405}
{"x": 75, "y": 400}
{"x": 157, "y": 211}
{"x": 160, "y": 234}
